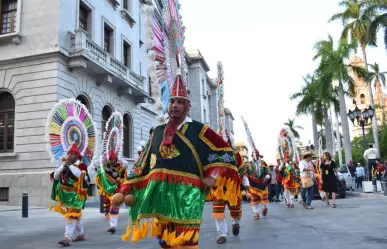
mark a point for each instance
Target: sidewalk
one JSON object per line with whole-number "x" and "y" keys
{"x": 361, "y": 194}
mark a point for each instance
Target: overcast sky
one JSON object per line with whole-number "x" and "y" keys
{"x": 266, "y": 47}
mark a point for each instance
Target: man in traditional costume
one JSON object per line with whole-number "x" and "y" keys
{"x": 219, "y": 204}
{"x": 182, "y": 159}
{"x": 289, "y": 181}
{"x": 70, "y": 186}
{"x": 258, "y": 176}
{"x": 108, "y": 181}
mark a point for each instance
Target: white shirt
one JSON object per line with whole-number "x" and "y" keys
{"x": 371, "y": 153}
{"x": 306, "y": 165}
{"x": 75, "y": 170}
{"x": 186, "y": 120}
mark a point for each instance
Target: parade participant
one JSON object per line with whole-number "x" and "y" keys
{"x": 108, "y": 181}
{"x": 219, "y": 204}
{"x": 259, "y": 175}
{"x": 289, "y": 182}
{"x": 317, "y": 177}
{"x": 71, "y": 137}
{"x": 182, "y": 159}
{"x": 380, "y": 171}
{"x": 70, "y": 186}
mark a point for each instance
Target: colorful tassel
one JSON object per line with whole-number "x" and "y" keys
{"x": 165, "y": 235}
{"x": 179, "y": 240}
{"x": 136, "y": 234}
{"x": 196, "y": 237}
{"x": 126, "y": 236}
{"x": 50, "y": 207}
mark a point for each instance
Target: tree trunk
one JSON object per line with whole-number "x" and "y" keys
{"x": 345, "y": 125}
{"x": 338, "y": 137}
{"x": 333, "y": 152}
{"x": 315, "y": 133}
{"x": 328, "y": 131}
{"x": 371, "y": 102}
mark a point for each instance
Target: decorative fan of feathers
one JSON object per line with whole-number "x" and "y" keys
{"x": 112, "y": 137}
{"x": 165, "y": 38}
{"x": 70, "y": 122}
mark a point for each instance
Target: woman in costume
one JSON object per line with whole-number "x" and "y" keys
{"x": 219, "y": 204}
{"x": 258, "y": 175}
{"x": 183, "y": 158}
{"x": 70, "y": 128}
{"x": 111, "y": 171}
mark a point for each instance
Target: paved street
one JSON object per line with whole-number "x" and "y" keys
{"x": 356, "y": 223}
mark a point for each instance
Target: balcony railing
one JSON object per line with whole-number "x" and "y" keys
{"x": 84, "y": 47}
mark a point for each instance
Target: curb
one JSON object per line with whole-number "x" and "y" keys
{"x": 364, "y": 195}
{"x": 19, "y": 209}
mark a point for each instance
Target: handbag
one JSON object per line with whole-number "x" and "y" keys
{"x": 306, "y": 181}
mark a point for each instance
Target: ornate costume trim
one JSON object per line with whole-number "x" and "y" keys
{"x": 173, "y": 176}
{"x": 184, "y": 129}
{"x": 209, "y": 143}
{"x": 194, "y": 152}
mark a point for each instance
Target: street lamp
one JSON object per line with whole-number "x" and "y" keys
{"x": 363, "y": 118}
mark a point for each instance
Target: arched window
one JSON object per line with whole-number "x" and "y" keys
{"x": 85, "y": 101}
{"x": 127, "y": 150}
{"x": 7, "y": 122}
{"x": 106, "y": 113}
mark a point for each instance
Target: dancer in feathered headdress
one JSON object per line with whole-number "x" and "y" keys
{"x": 259, "y": 176}
{"x": 219, "y": 204}
{"x": 287, "y": 151}
{"x": 181, "y": 158}
{"x": 111, "y": 171}
{"x": 71, "y": 129}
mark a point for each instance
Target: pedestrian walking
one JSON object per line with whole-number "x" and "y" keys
{"x": 329, "y": 178}
{"x": 380, "y": 170}
{"x": 307, "y": 176}
{"x": 359, "y": 176}
{"x": 272, "y": 186}
{"x": 352, "y": 171}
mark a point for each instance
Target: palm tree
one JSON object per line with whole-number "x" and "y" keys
{"x": 356, "y": 27}
{"x": 376, "y": 77}
{"x": 293, "y": 128}
{"x": 311, "y": 102}
{"x": 333, "y": 67}
{"x": 377, "y": 11}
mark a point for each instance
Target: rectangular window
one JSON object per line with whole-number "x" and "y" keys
{"x": 83, "y": 16}
{"x": 4, "y": 194}
{"x": 127, "y": 58}
{"x": 8, "y": 16}
{"x": 108, "y": 36}
{"x": 127, "y": 5}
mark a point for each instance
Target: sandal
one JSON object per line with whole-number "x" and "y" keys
{"x": 221, "y": 240}
{"x": 256, "y": 217}
{"x": 291, "y": 206}
{"x": 79, "y": 238}
{"x": 334, "y": 206}
{"x": 328, "y": 204}
{"x": 64, "y": 243}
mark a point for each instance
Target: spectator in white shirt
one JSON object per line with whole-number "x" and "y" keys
{"x": 307, "y": 170}
{"x": 370, "y": 155}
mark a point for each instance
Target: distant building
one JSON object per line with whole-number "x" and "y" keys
{"x": 361, "y": 99}
{"x": 243, "y": 150}
{"x": 229, "y": 123}
{"x": 202, "y": 90}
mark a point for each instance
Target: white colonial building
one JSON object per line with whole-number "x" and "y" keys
{"x": 91, "y": 50}
{"x": 202, "y": 90}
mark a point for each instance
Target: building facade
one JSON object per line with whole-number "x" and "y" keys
{"x": 202, "y": 90}
{"x": 243, "y": 151}
{"x": 361, "y": 100}
{"x": 91, "y": 50}
{"x": 229, "y": 123}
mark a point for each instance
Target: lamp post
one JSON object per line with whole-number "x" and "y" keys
{"x": 363, "y": 118}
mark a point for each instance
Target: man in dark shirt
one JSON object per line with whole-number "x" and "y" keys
{"x": 352, "y": 170}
